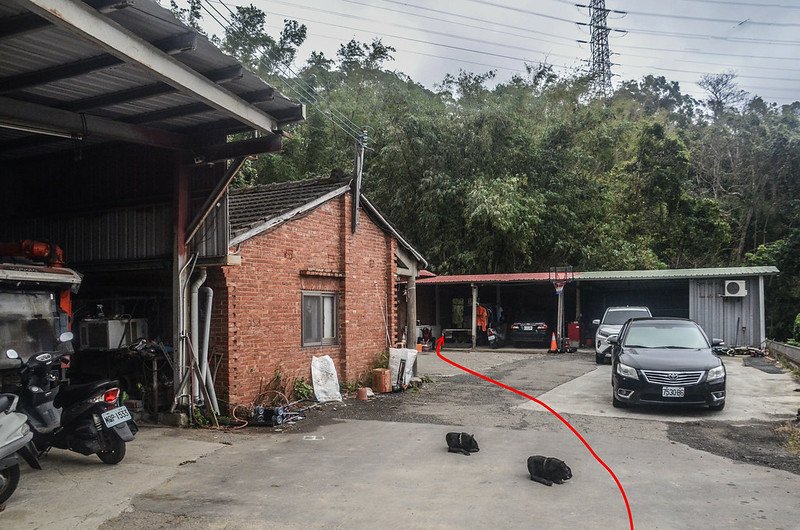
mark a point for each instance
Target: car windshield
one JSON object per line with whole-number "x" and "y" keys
{"x": 679, "y": 335}
{"x": 618, "y": 317}
{"x": 27, "y": 322}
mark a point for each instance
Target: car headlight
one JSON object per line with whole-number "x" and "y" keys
{"x": 627, "y": 371}
{"x": 716, "y": 373}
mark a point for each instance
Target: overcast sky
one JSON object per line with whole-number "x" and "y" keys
{"x": 758, "y": 39}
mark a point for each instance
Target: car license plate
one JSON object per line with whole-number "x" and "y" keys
{"x": 527, "y": 328}
{"x": 672, "y": 391}
{"x": 116, "y": 416}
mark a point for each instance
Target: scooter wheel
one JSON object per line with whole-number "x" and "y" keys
{"x": 116, "y": 454}
{"x": 9, "y": 478}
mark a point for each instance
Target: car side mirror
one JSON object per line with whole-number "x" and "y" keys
{"x": 613, "y": 339}
{"x": 596, "y": 322}
{"x": 717, "y": 342}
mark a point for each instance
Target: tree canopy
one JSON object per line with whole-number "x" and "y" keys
{"x": 534, "y": 172}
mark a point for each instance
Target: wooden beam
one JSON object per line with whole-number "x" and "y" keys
{"x": 171, "y": 45}
{"x": 34, "y": 118}
{"x": 128, "y": 46}
{"x": 213, "y": 198}
{"x": 194, "y": 108}
{"x": 222, "y": 75}
{"x": 227, "y": 151}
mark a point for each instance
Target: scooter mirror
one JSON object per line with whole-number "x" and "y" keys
{"x": 67, "y": 336}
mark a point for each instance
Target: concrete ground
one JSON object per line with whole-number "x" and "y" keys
{"x": 384, "y": 462}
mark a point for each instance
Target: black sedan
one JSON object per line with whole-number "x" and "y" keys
{"x": 666, "y": 361}
{"x": 527, "y": 328}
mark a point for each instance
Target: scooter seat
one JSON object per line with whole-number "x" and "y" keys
{"x": 5, "y": 402}
{"x": 73, "y": 393}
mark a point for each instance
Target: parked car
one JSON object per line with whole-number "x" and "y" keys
{"x": 612, "y": 322}
{"x": 529, "y": 328}
{"x": 666, "y": 361}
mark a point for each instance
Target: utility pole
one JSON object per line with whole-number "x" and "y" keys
{"x": 600, "y": 64}
{"x": 361, "y": 145}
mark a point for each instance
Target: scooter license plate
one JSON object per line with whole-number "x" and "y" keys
{"x": 116, "y": 416}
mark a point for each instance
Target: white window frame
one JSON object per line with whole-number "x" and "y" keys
{"x": 321, "y": 295}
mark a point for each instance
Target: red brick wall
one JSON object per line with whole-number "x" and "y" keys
{"x": 257, "y": 308}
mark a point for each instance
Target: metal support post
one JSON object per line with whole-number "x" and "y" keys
{"x": 474, "y": 315}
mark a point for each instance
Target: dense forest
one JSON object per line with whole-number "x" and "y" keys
{"x": 539, "y": 171}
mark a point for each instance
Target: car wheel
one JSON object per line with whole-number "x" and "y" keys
{"x": 717, "y": 407}
{"x": 599, "y": 358}
{"x": 617, "y": 403}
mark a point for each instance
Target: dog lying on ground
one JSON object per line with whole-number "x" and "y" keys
{"x": 546, "y": 470}
{"x": 461, "y": 442}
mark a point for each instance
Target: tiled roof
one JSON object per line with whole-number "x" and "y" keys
{"x": 250, "y": 207}
{"x": 253, "y": 210}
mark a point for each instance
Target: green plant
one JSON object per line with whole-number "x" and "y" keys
{"x": 381, "y": 360}
{"x": 792, "y": 432}
{"x": 349, "y": 387}
{"x": 199, "y": 418}
{"x": 301, "y": 389}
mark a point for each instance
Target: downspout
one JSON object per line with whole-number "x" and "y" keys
{"x": 194, "y": 330}
{"x": 205, "y": 373}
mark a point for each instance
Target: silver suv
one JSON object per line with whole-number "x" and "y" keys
{"x": 612, "y": 322}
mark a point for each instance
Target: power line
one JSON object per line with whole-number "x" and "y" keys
{"x": 476, "y": 19}
{"x": 422, "y": 41}
{"x": 428, "y": 31}
{"x": 347, "y": 126}
{"x": 746, "y": 4}
{"x": 692, "y": 17}
{"x": 526, "y": 35}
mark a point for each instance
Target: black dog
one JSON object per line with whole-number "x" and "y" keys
{"x": 546, "y": 470}
{"x": 461, "y": 442}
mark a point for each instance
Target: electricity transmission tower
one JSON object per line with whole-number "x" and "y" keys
{"x": 600, "y": 63}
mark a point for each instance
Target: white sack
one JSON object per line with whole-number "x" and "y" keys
{"x": 395, "y": 356}
{"x": 323, "y": 376}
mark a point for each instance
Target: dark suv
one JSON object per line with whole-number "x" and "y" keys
{"x": 666, "y": 361}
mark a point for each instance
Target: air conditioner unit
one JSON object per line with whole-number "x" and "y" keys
{"x": 110, "y": 334}
{"x": 735, "y": 288}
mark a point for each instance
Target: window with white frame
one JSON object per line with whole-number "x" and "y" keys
{"x": 319, "y": 318}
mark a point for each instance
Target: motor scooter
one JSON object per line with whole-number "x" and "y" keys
{"x": 84, "y": 418}
{"x": 16, "y": 440}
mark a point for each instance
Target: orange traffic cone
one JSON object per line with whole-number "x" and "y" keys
{"x": 553, "y": 344}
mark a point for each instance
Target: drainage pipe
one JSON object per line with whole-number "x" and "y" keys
{"x": 194, "y": 329}
{"x": 205, "y": 372}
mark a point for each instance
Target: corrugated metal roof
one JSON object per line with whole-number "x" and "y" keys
{"x": 51, "y": 46}
{"x": 678, "y": 274}
{"x": 662, "y": 274}
{"x": 515, "y": 277}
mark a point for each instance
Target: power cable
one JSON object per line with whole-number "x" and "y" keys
{"x": 410, "y": 39}
{"x": 746, "y": 4}
{"x": 476, "y": 19}
{"x": 347, "y": 126}
{"x": 428, "y": 31}
{"x": 691, "y": 17}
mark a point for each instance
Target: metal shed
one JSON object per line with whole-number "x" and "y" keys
{"x": 700, "y": 294}
{"x": 115, "y": 142}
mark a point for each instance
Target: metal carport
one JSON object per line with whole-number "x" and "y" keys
{"x": 115, "y": 124}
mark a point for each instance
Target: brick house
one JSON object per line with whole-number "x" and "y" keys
{"x": 305, "y": 285}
